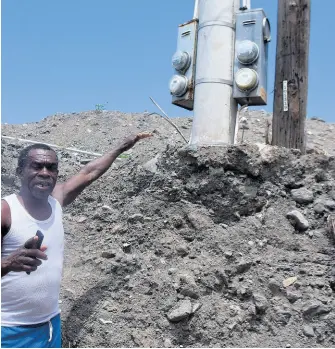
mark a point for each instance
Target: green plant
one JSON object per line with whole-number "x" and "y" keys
{"x": 124, "y": 156}
{"x": 99, "y": 107}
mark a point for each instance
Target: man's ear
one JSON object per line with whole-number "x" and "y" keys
{"x": 19, "y": 171}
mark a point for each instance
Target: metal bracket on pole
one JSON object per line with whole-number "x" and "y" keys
{"x": 217, "y": 81}
{"x": 216, "y": 23}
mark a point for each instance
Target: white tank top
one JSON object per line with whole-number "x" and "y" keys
{"x": 32, "y": 299}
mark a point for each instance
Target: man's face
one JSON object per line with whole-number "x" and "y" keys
{"x": 39, "y": 176}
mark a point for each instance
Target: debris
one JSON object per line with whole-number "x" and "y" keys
{"x": 283, "y": 315}
{"x": 289, "y": 281}
{"x": 330, "y": 204}
{"x": 308, "y": 331}
{"x": 182, "y": 250}
{"x": 81, "y": 219}
{"x": 298, "y": 220}
{"x": 302, "y": 195}
{"x": 212, "y": 183}
{"x": 315, "y": 308}
{"x": 119, "y": 229}
{"x": 85, "y": 161}
{"x": 108, "y": 254}
{"x": 243, "y": 266}
{"x": 126, "y": 248}
{"x": 182, "y": 311}
{"x": 104, "y": 322}
{"x": 319, "y": 208}
{"x": 199, "y": 220}
{"x": 293, "y": 295}
{"x": 260, "y": 302}
{"x": 137, "y": 217}
{"x": 196, "y": 307}
{"x": 151, "y": 165}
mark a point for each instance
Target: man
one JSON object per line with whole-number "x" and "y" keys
{"x": 31, "y": 277}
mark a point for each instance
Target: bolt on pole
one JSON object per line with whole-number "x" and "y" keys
{"x": 215, "y": 109}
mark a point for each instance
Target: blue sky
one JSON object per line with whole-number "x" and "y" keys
{"x": 69, "y": 55}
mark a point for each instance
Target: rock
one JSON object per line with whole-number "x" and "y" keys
{"x": 260, "y": 301}
{"x": 283, "y": 315}
{"x": 308, "y": 331}
{"x": 106, "y": 207}
{"x": 187, "y": 286}
{"x": 243, "y": 266}
{"x": 322, "y": 176}
{"x": 168, "y": 343}
{"x": 199, "y": 220}
{"x": 289, "y": 281}
{"x": 143, "y": 338}
{"x": 69, "y": 293}
{"x": 126, "y": 248}
{"x": 172, "y": 271}
{"x": 293, "y": 295}
{"x": 330, "y": 204}
{"x": 243, "y": 292}
{"x": 319, "y": 208}
{"x": 151, "y": 165}
{"x": 137, "y": 217}
{"x": 232, "y": 326}
{"x": 182, "y": 311}
{"x": 108, "y": 254}
{"x": 221, "y": 276}
{"x": 196, "y": 307}
{"x": 85, "y": 161}
{"x": 81, "y": 219}
{"x": 228, "y": 254}
{"x": 182, "y": 250}
{"x": 177, "y": 221}
{"x": 302, "y": 196}
{"x": 274, "y": 287}
{"x": 298, "y": 220}
{"x": 189, "y": 291}
{"x": 314, "y": 308}
{"x": 119, "y": 229}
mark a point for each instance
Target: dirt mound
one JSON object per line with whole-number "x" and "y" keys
{"x": 198, "y": 247}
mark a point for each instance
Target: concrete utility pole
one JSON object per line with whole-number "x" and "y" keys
{"x": 291, "y": 82}
{"x": 214, "y": 108}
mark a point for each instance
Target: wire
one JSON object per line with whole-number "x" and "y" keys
{"x": 238, "y": 121}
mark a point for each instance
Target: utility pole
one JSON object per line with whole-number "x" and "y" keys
{"x": 215, "y": 109}
{"x": 291, "y": 82}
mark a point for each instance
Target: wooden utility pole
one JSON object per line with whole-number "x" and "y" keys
{"x": 291, "y": 82}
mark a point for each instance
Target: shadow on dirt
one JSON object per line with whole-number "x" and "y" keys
{"x": 81, "y": 310}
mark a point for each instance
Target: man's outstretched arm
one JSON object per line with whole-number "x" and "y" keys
{"x": 67, "y": 192}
